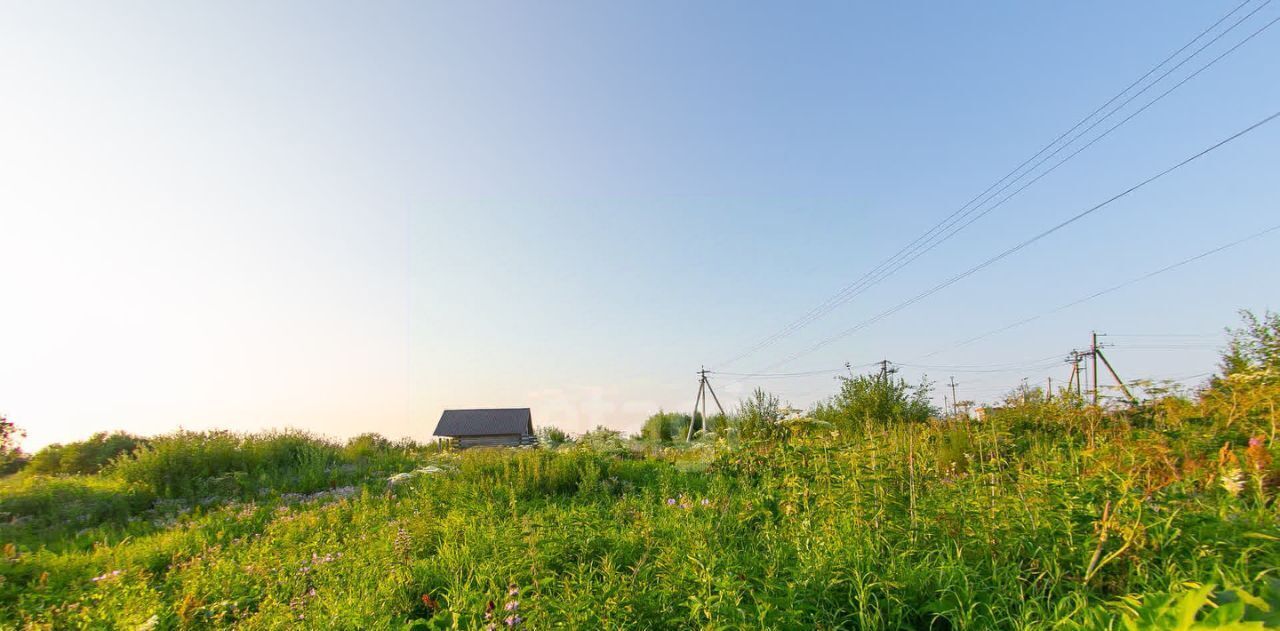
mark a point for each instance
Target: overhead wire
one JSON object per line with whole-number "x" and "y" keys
{"x": 1108, "y": 290}
{"x": 1022, "y": 245}
{"x": 1082, "y": 148}
{"x": 912, "y": 251}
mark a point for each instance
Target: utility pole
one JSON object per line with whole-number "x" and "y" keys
{"x": 1077, "y": 376}
{"x": 1093, "y": 354}
{"x": 885, "y": 370}
{"x": 704, "y": 386}
{"x": 954, "y": 410}
{"x": 1119, "y": 382}
{"x": 1048, "y": 394}
{"x": 1073, "y": 359}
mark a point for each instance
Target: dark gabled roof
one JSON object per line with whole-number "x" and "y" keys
{"x": 485, "y": 422}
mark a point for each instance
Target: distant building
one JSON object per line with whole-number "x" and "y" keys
{"x": 502, "y": 427}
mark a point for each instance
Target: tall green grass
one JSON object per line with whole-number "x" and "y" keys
{"x": 916, "y": 526}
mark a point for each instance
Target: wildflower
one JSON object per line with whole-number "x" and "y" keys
{"x": 513, "y": 590}
{"x": 513, "y": 620}
{"x": 512, "y": 605}
{"x": 111, "y": 574}
{"x": 671, "y": 501}
{"x": 1256, "y": 455}
{"x": 705, "y": 502}
{"x": 1232, "y": 481}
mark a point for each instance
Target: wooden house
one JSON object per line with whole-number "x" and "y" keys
{"x": 502, "y": 427}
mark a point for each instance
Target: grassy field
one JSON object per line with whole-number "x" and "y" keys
{"x": 921, "y": 526}
{"x": 1048, "y": 513}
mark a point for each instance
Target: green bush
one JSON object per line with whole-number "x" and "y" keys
{"x": 219, "y": 463}
{"x": 88, "y": 456}
{"x": 875, "y": 400}
{"x": 663, "y": 427}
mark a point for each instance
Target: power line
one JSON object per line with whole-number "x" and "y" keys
{"x": 1189, "y": 334}
{"x": 1057, "y": 360}
{"x": 776, "y": 375}
{"x": 913, "y": 250}
{"x": 1111, "y": 289}
{"x": 1020, "y": 246}
{"x": 913, "y": 256}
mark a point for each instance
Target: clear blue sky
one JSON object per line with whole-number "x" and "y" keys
{"x": 347, "y": 217}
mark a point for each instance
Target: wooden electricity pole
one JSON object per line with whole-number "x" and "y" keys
{"x": 1119, "y": 381}
{"x": 704, "y": 386}
{"x": 1077, "y": 375}
{"x": 1093, "y": 354}
{"x": 885, "y": 370}
{"x": 954, "y": 409}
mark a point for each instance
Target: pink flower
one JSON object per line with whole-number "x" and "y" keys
{"x": 1255, "y": 441}
{"x": 705, "y": 502}
{"x": 671, "y": 501}
{"x": 514, "y": 590}
{"x": 513, "y": 620}
{"x": 512, "y": 606}
{"x": 111, "y": 574}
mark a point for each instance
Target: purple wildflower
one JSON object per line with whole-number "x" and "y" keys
{"x": 513, "y": 590}
{"x": 705, "y": 502}
{"x": 671, "y": 501}
{"x": 513, "y": 620}
{"x": 512, "y": 606}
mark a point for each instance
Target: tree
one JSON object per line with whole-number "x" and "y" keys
{"x": 1247, "y": 394}
{"x": 1255, "y": 346}
{"x": 11, "y": 456}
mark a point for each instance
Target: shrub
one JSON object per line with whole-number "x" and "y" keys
{"x": 603, "y": 440}
{"x": 195, "y": 464}
{"x": 87, "y": 456}
{"x": 665, "y": 426}
{"x": 552, "y": 436}
{"x": 757, "y": 416}
{"x": 867, "y": 400}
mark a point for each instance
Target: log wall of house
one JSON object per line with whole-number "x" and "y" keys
{"x": 500, "y": 440}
